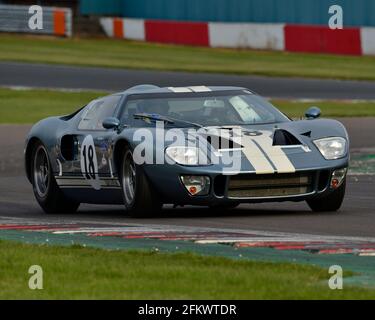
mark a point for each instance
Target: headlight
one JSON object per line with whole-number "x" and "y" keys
{"x": 188, "y": 156}
{"x": 332, "y": 148}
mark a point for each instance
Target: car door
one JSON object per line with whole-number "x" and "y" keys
{"x": 94, "y": 144}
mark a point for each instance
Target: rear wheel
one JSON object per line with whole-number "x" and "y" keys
{"x": 139, "y": 198}
{"x": 46, "y": 190}
{"x": 329, "y": 203}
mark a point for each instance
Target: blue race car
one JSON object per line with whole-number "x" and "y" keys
{"x": 205, "y": 146}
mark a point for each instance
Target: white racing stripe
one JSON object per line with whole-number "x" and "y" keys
{"x": 255, "y": 156}
{"x": 190, "y": 89}
{"x": 72, "y": 182}
{"x": 179, "y": 89}
{"x": 200, "y": 89}
{"x": 275, "y": 153}
{"x": 258, "y": 148}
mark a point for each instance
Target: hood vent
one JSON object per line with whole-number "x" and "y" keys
{"x": 284, "y": 138}
{"x": 306, "y": 134}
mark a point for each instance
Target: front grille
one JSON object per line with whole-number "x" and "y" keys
{"x": 272, "y": 185}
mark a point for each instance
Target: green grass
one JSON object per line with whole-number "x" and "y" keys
{"x": 138, "y": 55}
{"x": 29, "y": 106}
{"x": 329, "y": 108}
{"x": 85, "y": 273}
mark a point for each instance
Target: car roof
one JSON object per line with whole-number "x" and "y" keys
{"x": 151, "y": 89}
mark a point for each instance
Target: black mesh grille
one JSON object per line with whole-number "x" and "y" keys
{"x": 273, "y": 185}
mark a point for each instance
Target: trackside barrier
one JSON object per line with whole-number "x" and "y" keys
{"x": 133, "y": 29}
{"x": 263, "y": 36}
{"x": 56, "y": 21}
{"x": 188, "y": 33}
{"x": 300, "y": 38}
{"x": 247, "y": 35}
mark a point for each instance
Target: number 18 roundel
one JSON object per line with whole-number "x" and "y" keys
{"x": 89, "y": 162}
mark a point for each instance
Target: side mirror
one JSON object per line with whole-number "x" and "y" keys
{"x": 111, "y": 123}
{"x": 313, "y": 113}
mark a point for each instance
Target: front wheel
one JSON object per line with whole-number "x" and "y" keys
{"x": 46, "y": 190}
{"x": 139, "y": 198}
{"x": 329, "y": 203}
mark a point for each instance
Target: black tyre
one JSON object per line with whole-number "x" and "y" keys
{"x": 46, "y": 190}
{"x": 139, "y": 198}
{"x": 329, "y": 203}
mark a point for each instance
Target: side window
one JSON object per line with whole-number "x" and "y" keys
{"x": 97, "y": 111}
{"x": 130, "y": 109}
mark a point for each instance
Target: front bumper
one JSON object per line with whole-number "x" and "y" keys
{"x": 315, "y": 182}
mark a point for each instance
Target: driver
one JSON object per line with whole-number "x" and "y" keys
{"x": 155, "y": 107}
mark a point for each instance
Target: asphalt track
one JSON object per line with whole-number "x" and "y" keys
{"x": 54, "y": 76}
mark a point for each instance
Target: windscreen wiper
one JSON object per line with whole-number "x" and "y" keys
{"x": 158, "y": 117}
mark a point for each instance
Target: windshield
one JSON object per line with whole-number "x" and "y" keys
{"x": 210, "y": 110}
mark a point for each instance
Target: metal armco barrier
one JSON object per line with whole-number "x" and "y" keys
{"x": 56, "y": 21}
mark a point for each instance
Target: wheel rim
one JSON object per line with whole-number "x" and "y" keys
{"x": 129, "y": 178}
{"x": 41, "y": 172}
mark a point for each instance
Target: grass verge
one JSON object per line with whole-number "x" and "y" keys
{"x": 29, "y": 106}
{"x": 85, "y": 273}
{"x": 330, "y": 108}
{"x": 138, "y": 55}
